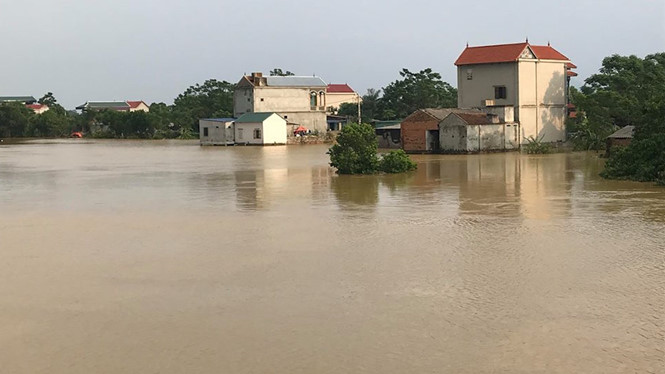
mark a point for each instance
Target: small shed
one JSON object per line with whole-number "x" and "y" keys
{"x": 621, "y": 138}
{"x": 477, "y": 132}
{"x": 216, "y": 131}
{"x": 420, "y": 130}
{"x": 261, "y": 128}
{"x": 388, "y": 133}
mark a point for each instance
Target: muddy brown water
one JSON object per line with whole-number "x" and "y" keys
{"x": 165, "y": 257}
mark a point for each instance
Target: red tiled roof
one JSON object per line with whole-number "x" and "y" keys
{"x": 570, "y": 65}
{"x": 571, "y": 73}
{"x": 505, "y": 53}
{"x": 339, "y": 88}
{"x": 35, "y": 106}
{"x": 135, "y": 104}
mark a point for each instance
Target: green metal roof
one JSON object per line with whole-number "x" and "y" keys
{"x": 257, "y": 117}
{"x": 104, "y": 105}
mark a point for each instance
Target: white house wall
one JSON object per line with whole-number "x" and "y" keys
{"x": 274, "y": 130}
{"x": 542, "y": 100}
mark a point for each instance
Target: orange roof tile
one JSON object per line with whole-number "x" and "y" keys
{"x": 339, "y": 88}
{"x": 505, "y": 53}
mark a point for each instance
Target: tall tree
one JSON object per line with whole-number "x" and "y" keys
{"x": 414, "y": 91}
{"x": 278, "y": 72}
{"x": 213, "y": 98}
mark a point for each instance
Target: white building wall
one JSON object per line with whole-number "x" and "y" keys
{"x": 274, "y": 130}
{"x": 219, "y": 133}
{"x": 541, "y": 108}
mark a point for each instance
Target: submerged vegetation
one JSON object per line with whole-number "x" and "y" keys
{"x": 536, "y": 146}
{"x": 355, "y": 152}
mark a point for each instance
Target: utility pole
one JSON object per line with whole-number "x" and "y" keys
{"x": 359, "y": 113}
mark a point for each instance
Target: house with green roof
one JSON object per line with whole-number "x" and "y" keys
{"x": 260, "y": 128}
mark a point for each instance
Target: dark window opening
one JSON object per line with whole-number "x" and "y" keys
{"x": 257, "y": 133}
{"x": 205, "y": 131}
{"x": 500, "y": 92}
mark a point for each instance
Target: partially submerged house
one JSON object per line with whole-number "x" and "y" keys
{"x": 531, "y": 79}
{"x": 216, "y": 131}
{"x": 300, "y": 100}
{"x": 420, "y": 130}
{"x": 462, "y": 132}
{"x": 260, "y": 128}
{"x": 621, "y": 138}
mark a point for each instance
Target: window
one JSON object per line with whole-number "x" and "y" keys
{"x": 312, "y": 99}
{"x": 469, "y": 74}
{"x": 240, "y": 133}
{"x": 205, "y": 131}
{"x": 261, "y": 99}
{"x": 285, "y": 117}
{"x": 257, "y": 133}
{"x": 500, "y": 92}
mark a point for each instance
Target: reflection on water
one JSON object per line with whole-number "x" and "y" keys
{"x": 133, "y": 256}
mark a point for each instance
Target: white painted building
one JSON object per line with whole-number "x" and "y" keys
{"x": 532, "y": 79}
{"x": 477, "y": 132}
{"x": 260, "y": 128}
{"x": 216, "y": 131}
{"x": 299, "y": 100}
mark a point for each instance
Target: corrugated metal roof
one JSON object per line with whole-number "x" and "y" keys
{"x": 295, "y": 81}
{"x": 218, "y": 119}
{"x": 625, "y": 132}
{"x": 21, "y": 99}
{"x": 441, "y": 113}
{"x": 395, "y": 124}
{"x": 104, "y": 105}
{"x": 256, "y": 117}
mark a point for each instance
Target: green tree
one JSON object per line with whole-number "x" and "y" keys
{"x": 396, "y": 162}
{"x": 278, "y": 72}
{"x": 355, "y": 150}
{"x": 52, "y": 123}
{"x": 213, "y": 98}
{"x": 14, "y": 119}
{"x": 632, "y": 91}
{"x": 423, "y": 89}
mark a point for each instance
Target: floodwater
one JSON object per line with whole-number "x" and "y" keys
{"x": 165, "y": 257}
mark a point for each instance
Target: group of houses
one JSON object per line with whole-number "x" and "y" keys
{"x": 121, "y": 106}
{"x": 508, "y": 94}
{"x": 269, "y": 109}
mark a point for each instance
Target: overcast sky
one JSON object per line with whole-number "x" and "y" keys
{"x": 154, "y": 49}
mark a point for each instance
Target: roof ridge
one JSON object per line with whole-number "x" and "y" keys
{"x": 498, "y": 45}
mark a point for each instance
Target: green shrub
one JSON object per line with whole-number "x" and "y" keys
{"x": 536, "y": 146}
{"x": 396, "y": 162}
{"x": 643, "y": 160}
{"x": 355, "y": 150}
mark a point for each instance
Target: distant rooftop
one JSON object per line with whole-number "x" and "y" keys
{"x": 625, "y": 132}
{"x": 116, "y": 105}
{"x": 218, "y": 119}
{"x": 255, "y": 117}
{"x": 339, "y": 88}
{"x": 287, "y": 81}
{"x": 19, "y": 99}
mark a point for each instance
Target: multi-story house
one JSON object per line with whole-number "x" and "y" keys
{"x": 524, "y": 81}
{"x": 338, "y": 94}
{"x": 300, "y": 100}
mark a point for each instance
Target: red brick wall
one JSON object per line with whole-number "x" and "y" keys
{"x": 414, "y": 128}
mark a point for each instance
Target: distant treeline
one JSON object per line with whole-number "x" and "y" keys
{"x": 213, "y": 98}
